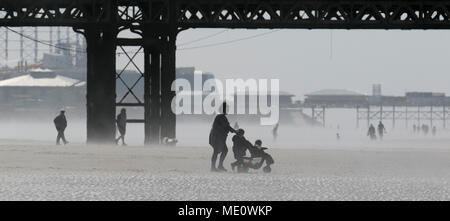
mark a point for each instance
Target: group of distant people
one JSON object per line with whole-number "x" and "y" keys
{"x": 372, "y": 132}
{"x": 218, "y": 137}
{"x": 60, "y": 122}
{"x": 424, "y": 129}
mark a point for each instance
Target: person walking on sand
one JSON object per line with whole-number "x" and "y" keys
{"x": 218, "y": 137}
{"x": 371, "y": 132}
{"x": 60, "y": 124}
{"x": 275, "y": 132}
{"x": 381, "y": 130}
{"x": 121, "y": 122}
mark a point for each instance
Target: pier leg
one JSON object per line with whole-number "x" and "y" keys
{"x": 393, "y": 117}
{"x": 406, "y": 117}
{"x": 431, "y": 116}
{"x": 168, "y": 124}
{"x": 147, "y": 96}
{"x": 160, "y": 55}
{"x": 101, "y": 85}
{"x": 323, "y": 116}
{"x": 357, "y": 117}
{"x": 444, "y": 114}
{"x": 154, "y": 120}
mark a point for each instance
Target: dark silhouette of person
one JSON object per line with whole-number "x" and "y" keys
{"x": 414, "y": 128}
{"x": 338, "y": 134}
{"x": 371, "y": 132}
{"x": 275, "y": 132}
{"x": 434, "y": 130}
{"x": 60, "y": 122}
{"x": 121, "y": 122}
{"x": 218, "y": 137}
{"x": 240, "y": 146}
{"x": 381, "y": 130}
{"x": 425, "y": 129}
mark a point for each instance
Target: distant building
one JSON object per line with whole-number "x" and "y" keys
{"x": 41, "y": 89}
{"x": 425, "y": 98}
{"x": 387, "y": 100}
{"x": 57, "y": 61}
{"x": 189, "y": 74}
{"x": 247, "y": 102}
{"x": 335, "y": 97}
{"x": 248, "y": 99}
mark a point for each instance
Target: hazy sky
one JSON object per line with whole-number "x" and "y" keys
{"x": 309, "y": 60}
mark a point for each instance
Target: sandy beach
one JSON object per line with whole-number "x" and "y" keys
{"x": 42, "y": 171}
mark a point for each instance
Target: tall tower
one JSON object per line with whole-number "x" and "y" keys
{"x": 26, "y": 45}
{"x": 4, "y": 47}
{"x": 28, "y": 48}
{"x": 376, "y": 89}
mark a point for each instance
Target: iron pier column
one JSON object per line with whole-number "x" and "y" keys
{"x": 147, "y": 95}
{"x": 160, "y": 120}
{"x": 101, "y": 84}
{"x": 153, "y": 121}
{"x": 444, "y": 114}
{"x": 168, "y": 124}
{"x": 357, "y": 116}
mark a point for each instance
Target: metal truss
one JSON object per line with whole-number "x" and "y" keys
{"x": 318, "y": 114}
{"x": 354, "y": 14}
{"x": 364, "y": 14}
{"x": 52, "y": 12}
{"x": 137, "y": 101}
{"x": 143, "y": 11}
{"x": 429, "y": 115}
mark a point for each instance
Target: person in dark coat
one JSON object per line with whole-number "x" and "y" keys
{"x": 240, "y": 146}
{"x": 217, "y": 139}
{"x": 371, "y": 132}
{"x": 381, "y": 130}
{"x": 60, "y": 124}
{"x": 121, "y": 122}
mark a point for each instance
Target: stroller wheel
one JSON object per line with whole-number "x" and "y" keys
{"x": 267, "y": 169}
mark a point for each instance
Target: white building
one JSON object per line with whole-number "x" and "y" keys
{"x": 41, "y": 88}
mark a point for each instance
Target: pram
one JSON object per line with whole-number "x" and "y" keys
{"x": 256, "y": 160}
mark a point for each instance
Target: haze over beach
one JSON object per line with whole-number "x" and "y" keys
{"x": 333, "y": 161}
{"x": 310, "y": 164}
